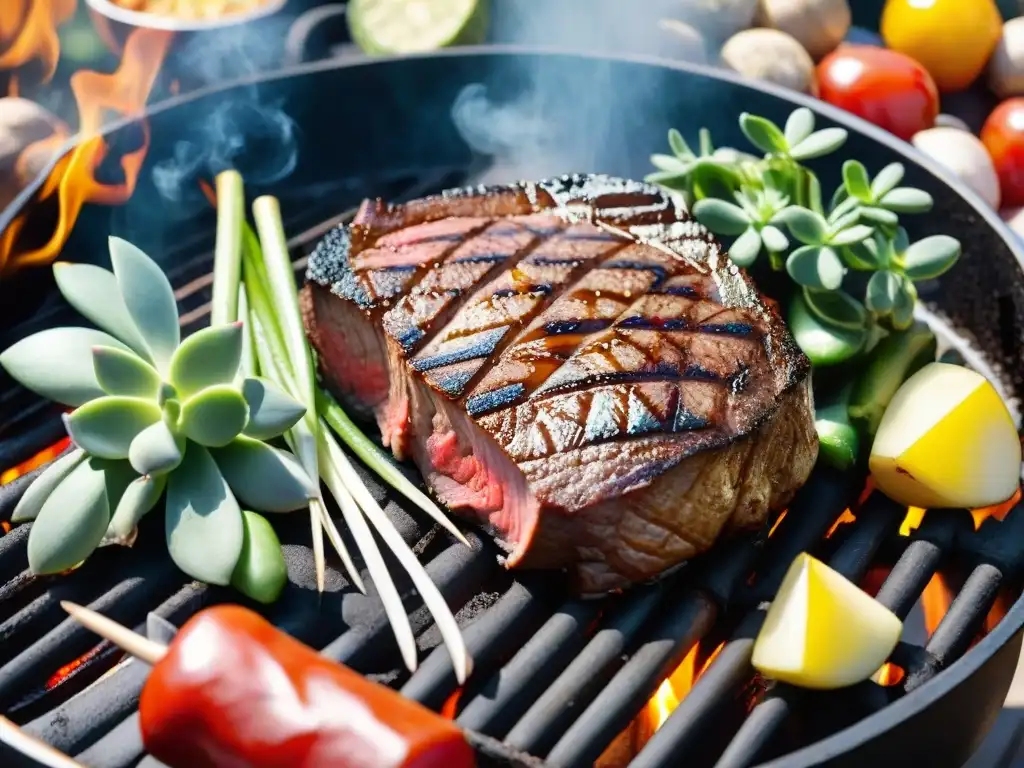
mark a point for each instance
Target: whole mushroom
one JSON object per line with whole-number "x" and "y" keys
{"x": 23, "y": 123}
{"x": 1006, "y": 67}
{"x": 963, "y": 154}
{"x": 771, "y": 55}
{"x": 818, "y": 25}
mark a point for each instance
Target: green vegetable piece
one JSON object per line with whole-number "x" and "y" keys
{"x": 744, "y": 251}
{"x": 138, "y": 499}
{"x": 855, "y": 177}
{"x": 58, "y": 364}
{"x": 124, "y": 373}
{"x": 896, "y": 358}
{"x": 156, "y": 450}
{"x": 823, "y": 343}
{"x": 106, "y": 427}
{"x": 799, "y": 126}
{"x": 94, "y": 293}
{"x": 837, "y": 308}
{"x": 402, "y": 26}
{"x": 931, "y": 257}
{"x": 214, "y": 416}
{"x": 39, "y": 491}
{"x": 886, "y": 180}
{"x": 261, "y": 572}
{"x": 907, "y": 200}
{"x": 272, "y": 411}
{"x": 814, "y": 266}
{"x": 882, "y": 292}
{"x": 264, "y": 477}
{"x": 148, "y": 295}
{"x": 206, "y": 358}
{"x": 203, "y": 523}
{"x": 819, "y": 144}
{"x": 721, "y": 217}
{"x": 72, "y": 521}
{"x": 806, "y": 226}
{"x": 838, "y": 439}
{"x": 763, "y": 134}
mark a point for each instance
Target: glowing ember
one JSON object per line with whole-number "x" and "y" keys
{"x": 67, "y": 670}
{"x": 450, "y": 708}
{"x": 45, "y": 455}
{"x": 935, "y": 601}
{"x": 28, "y": 32}
{"x": 843, "y": 519}
{"x": 778, "y": 520}
{"x": 890, "y": 675}
{"x": 73, "y": 182}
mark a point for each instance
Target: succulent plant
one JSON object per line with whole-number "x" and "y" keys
{"x": 155, "y": 413}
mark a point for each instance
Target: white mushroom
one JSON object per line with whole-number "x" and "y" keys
{"x": 963, "y": 154}
{"x": 951, "y": 121}
{"x": 768, "y": 54}
{"x": 818, "y": 25}
{"x": 1006, "y": 66}
{"x": 23, "y": 123}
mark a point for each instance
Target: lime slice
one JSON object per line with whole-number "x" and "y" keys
{"x": 410, "y": 26}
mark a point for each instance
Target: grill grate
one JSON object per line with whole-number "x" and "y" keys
{"x": 556, "y": 677}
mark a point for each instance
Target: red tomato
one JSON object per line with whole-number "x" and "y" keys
{"x": 884, "y": 87}
{"x": 1003, "y": 137}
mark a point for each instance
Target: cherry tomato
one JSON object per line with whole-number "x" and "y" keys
{"x": 884, "y": 87}
{"x": 1003, "y": 137}
{"x": 953, "y": 39}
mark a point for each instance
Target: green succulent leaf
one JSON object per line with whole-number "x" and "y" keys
{"x": 57, "y": 363}
{"x": 124, "y": 373}
{"x": 156, "y": 450}
{"x": 815, "y": 266}
{"x": 930, "y": 257}
{"x": 903, "y": 309}
{"x": 678, "y": 144}
{"x": 819, "y": 144}
{"x": 855, "y": 178}
{"x": 837, "y": 308}
{"x": 707, "y": 147}
{"x": 906, "y": 200}
{"x": 669, "y": 179}
{"x": 721, "y": 217}
{"x": 824, "y": 343}
{"x": 138, "y": 499}
{"x": 877, "y": 215}
{"x": 214, "y": 416}
{"x": 94, "y": 293}
{"x": 72, "y": 521}
{"x": 850, "y": 235}
{"x": 672, "y": 164}
{"x": 264, "y": 477}
{"x": 886, "y": 180}
{"x": 806, "y": 226}
{"x": 763, "y": 133}
{"x": 106, "y": 427}
{"x": 148, "y": 295}
{"x": 814, "y": 201}
{"x": 883, "y": 291}
{"x": 203, "y": 523}
{"x": 272, "y": 411}
{"x": 744, "y": 251}
{"x": 837, "y": 223}
{"x": 206, "y": 358}
{"x": 799, "y": 126}
{"x": 118, "y": 475}
{"x": 39, "y": 491}
{"x": 774, "y": 239}
{"x": 864, "y": 255}
{"x": 261, "y": 572}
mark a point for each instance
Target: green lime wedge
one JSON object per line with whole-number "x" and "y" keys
{"x": 410, "y": 26}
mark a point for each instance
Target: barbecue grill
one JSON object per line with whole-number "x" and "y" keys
{"x": 559, "y": 681}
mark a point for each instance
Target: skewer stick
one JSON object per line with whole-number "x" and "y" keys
{"x": 33, "y": 748}
{"x": 138, "y": 646}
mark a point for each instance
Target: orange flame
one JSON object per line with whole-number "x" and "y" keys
{"x": 843, "y": 519}
{"x": 890, "y": 674}
{"x": 999, "y": 511}
{"x": 73, "y": 180}
{"x": 676, "y": 686}
{"x": 28, "y": 31}
{"x": 912, "y": 520}
{"x": 45, "y": 455}
{"x": 935, "y": 601}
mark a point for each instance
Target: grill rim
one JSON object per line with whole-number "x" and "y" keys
{"x": 897, "y": 714}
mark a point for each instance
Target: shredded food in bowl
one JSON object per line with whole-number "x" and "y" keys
{"x": 192, "y": 9}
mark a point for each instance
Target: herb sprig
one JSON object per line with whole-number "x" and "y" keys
{"x": 773, "y": 205}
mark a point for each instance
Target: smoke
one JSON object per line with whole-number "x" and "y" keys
{"x": 517, "y": 132}
{"x": 244, "y": 132}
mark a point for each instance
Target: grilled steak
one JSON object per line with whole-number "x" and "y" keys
{"x": 574, "y": 363}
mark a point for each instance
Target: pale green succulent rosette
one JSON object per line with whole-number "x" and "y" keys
{"x": 152, "y": 414}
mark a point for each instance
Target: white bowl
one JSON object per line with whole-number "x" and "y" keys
{"x": 174, "y": 24}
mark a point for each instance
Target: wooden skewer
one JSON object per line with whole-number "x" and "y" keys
{"x": 33, "y": 748}
{"x": 138, "y": 646}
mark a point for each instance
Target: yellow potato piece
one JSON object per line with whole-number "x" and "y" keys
{"x": 946, "y": 440}
{"x": 822, "y": 631}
